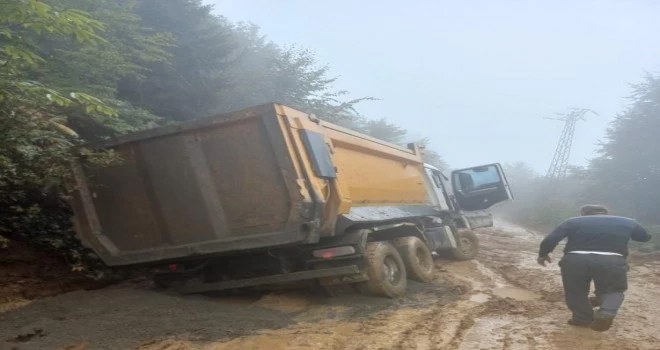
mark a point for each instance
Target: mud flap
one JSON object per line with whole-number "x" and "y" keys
{"x": 440, "y": 238}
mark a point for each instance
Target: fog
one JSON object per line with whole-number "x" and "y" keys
{"x": 476, "y": 77}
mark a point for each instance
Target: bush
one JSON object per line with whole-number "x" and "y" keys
{"x": 42, "y": 219}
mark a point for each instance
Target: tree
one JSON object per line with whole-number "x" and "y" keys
{"x": 58, "y": 72}
{"x": 626, "y": 175}
{"x": 218, "y": 67}
{"x": 190, "y": 84}
{"x": 383, "y": 130}
{"x": 126, "y": 49}
{"x": 270, "y": 73}
{"x": 34, "y": 139}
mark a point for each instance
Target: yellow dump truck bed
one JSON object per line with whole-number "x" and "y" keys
{"x": 261, "y": 177}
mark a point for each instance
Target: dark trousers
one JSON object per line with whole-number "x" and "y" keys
{"x": 609, "y": 273}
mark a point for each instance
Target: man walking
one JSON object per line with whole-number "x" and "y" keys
{"x": 596, "y": 249}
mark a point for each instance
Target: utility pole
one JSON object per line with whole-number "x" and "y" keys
{"x": 559, "y": 164}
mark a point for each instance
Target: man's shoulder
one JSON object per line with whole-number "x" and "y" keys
{"x": 598, "y": 219}
{"x": 572, "y": 220}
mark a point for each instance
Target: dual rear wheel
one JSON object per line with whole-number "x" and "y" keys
{"x": 389, "y": 265}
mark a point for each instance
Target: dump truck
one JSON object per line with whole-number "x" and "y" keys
{"x": 271, "y": 195}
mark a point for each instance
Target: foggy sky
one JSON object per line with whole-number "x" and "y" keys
{"x": 477, "y": 77}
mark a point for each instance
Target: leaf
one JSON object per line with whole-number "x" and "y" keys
{"x": 65, "y": 130}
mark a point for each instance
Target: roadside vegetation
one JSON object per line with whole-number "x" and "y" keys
{"x": 625, "y": 176}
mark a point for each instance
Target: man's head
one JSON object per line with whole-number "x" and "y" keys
{"x": 593, "y": 209}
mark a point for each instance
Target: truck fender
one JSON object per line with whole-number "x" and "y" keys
{"x": 393, "y": 231}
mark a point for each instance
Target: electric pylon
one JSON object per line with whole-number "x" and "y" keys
{"x": 559, "y": 164}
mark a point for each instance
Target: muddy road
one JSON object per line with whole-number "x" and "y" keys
{"x": 502, "y": 300}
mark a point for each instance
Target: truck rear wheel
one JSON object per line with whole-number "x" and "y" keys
{"x": 417, "y": 258}
{"x": 386, "y": 271}
{"x": 468, "y": 246}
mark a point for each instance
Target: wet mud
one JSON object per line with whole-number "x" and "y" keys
{"x": 502, "y": 300}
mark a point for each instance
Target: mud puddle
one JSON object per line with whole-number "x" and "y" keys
{"x": 515, "y": 293}
{"x": 480, "y": 298}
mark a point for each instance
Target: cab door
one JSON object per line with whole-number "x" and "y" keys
{"x": 479, "y": 188}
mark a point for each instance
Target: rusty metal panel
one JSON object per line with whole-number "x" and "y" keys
{"x": 246, "y": 176}
{"x": 172, "y": 183}
{"x": 205, "y": 187}
{"x": 121, "y": 203}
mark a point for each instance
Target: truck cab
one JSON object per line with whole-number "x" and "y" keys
{"x": 463, "y": 199}
{"x": 468, "y": 192}
{"x": 270, "y": 195}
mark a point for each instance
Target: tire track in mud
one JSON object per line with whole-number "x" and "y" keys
{"x": 479, "y": 319}
{"x": 439, "y": 326}
{"x": 504, "y": 302}
{"x": 541, "y": 324}
{"x": 426, "y": 322}
{"x": 435, "y": 325}
{"x": 511, "y": 303}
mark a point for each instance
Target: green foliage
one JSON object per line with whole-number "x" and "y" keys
{"x": 48, "y": 103}
{"x": 34, "y": 141}
{"x": 383, "y": 130}
{"x": 627, "y": 173}
{"x": 196, "y": 77}
{"x": 288, "y": 75}
{"x": 218, "y": 67}
{"x": 49, "y": 84}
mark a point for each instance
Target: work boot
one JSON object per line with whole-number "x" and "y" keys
{"x": 575, "y": 323}
{"x": 602, "y": 323}
{"x": 594, "y": 301}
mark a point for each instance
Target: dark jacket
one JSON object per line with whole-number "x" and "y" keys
{"x": 601, "y": 233}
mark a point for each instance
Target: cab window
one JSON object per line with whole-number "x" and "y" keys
{"x": 475, "y": 179}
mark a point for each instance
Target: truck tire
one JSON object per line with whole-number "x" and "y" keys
{"x": 386, "y": 271}
{"x": 468, "y": 246}
{"x": 417, "y": 258}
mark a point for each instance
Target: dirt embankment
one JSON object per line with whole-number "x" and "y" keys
{"x": 502, "y": 300}
{"x": 27, "y": 274}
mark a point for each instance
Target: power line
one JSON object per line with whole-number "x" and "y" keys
{"x": 559, "y": 165}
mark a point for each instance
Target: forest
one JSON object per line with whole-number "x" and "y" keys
{"x": 78, "y": 71}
